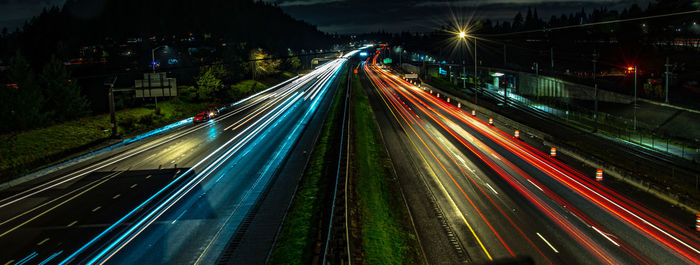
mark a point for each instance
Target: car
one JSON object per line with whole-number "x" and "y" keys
{"x": 213, "y": 112}
{"x": 201, "y": 117}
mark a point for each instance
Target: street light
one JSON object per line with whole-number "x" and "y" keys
{"x": 153, "y": 56}
{"x": 635, "y": 95}
{"x": 463, "y": 35}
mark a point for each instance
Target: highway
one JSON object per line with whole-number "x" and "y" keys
{"x": 499, "y": 198}
{"x": 175, "y": 198}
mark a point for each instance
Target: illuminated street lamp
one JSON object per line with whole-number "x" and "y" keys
{"x": 153, "y": 56}
{"x": 464, "y": 36}
{"x": 634, "y": 68}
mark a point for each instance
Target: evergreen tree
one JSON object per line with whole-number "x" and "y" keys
{"x": 63, "y": 98}
{"x": 22, "y": 98}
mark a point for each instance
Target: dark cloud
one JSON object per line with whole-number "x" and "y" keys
{"x": 353, "y": 16}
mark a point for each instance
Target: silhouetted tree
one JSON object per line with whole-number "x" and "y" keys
{"x": 63, "y": 98}
{"x": 22, "y": 98}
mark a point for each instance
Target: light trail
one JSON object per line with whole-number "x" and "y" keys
{"x": 264, "y": 122}
{"x": 578, "y": 234}
{"x": 576, "y": 181}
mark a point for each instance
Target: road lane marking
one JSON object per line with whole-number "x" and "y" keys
{"x": 95, "y": 183}
{"x": 134, "y": 186}
{"x": 548, "y": 244}
{"x": 178, "y": 217}
{"x": 72, "y": 223}
{"x": 605, "y": 236}
{"x": 8, "y": 263}
{"x": 43, "y": 241}
{"x": 148, "y": 177}
{"x": 58, "y": 205}
{"x": 96, "y": 209}
{"x": 116, "y": 196}
{"x": 494, "y": 191}
{"x": 460, "y": 159}
{"x": 533, "y": 184}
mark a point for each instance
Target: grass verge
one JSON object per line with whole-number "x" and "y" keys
{"x": 299, "y": 232}
{"x": 382, "y": 215}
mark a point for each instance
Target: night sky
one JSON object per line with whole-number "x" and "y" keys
{"x": 356, "y": 16}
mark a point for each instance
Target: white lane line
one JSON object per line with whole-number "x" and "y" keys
{"x": 533, "y": 184}
{"x": 116, "y": 196}
{"x": 605, "y": 236}
{"x": 42, "y": 241}
{"x": 96, "y": 209}
{"x": 134, "y": 186}
{"x": 178, "y": 217}
{"x": 548, "y": 244}
{"x": 494, "y": 191}
{"x": 148, "y": 177}
{"x": 464, "y": 162}
{"x": 460, "y": 158}
{"x": 9, "y": 262}
{"x": 72, "y": 224}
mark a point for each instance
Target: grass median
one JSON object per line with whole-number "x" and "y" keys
{"x": 297, "y": 239}
{"x": 382, "y": 216}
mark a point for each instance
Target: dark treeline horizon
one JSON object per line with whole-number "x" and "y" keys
{"x": 60, "y": 31}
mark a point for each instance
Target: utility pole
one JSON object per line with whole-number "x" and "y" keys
{"x": 112, "y": 115}
{"x": 551, "y": 57}
{"x": 464, "y": 74}
{"x": 595, "y": 91}
{"x": 667, "y": 74}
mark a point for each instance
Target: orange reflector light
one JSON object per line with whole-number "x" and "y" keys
{"x": 448, "y": 99}
{"x": 459, "y": 104}
{"x": 697, "y": 222}
{"x": 491, "y": 121}
{"x": 473, "y": 112}
{"x": 599, "y": 174}
{"x": 517, "y": 133}
{"x": 553, "y": 151}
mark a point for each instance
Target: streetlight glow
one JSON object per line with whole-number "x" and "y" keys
{"x": 462, "y": 34}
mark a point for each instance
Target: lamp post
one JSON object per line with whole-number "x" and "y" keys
{"x": 153, "y": 56}
{"x": 635, "y": 97}
{"x": 595, "y": 91}
{"x": 153, "y": 66}
{"x": 463, "y": 35}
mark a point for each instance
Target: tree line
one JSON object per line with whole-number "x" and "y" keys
{"x": 31, "y": 99}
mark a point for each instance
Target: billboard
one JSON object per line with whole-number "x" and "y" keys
{"x": 387, "y": 61}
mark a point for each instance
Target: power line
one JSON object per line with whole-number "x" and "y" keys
{"x": 592, "y": 24}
